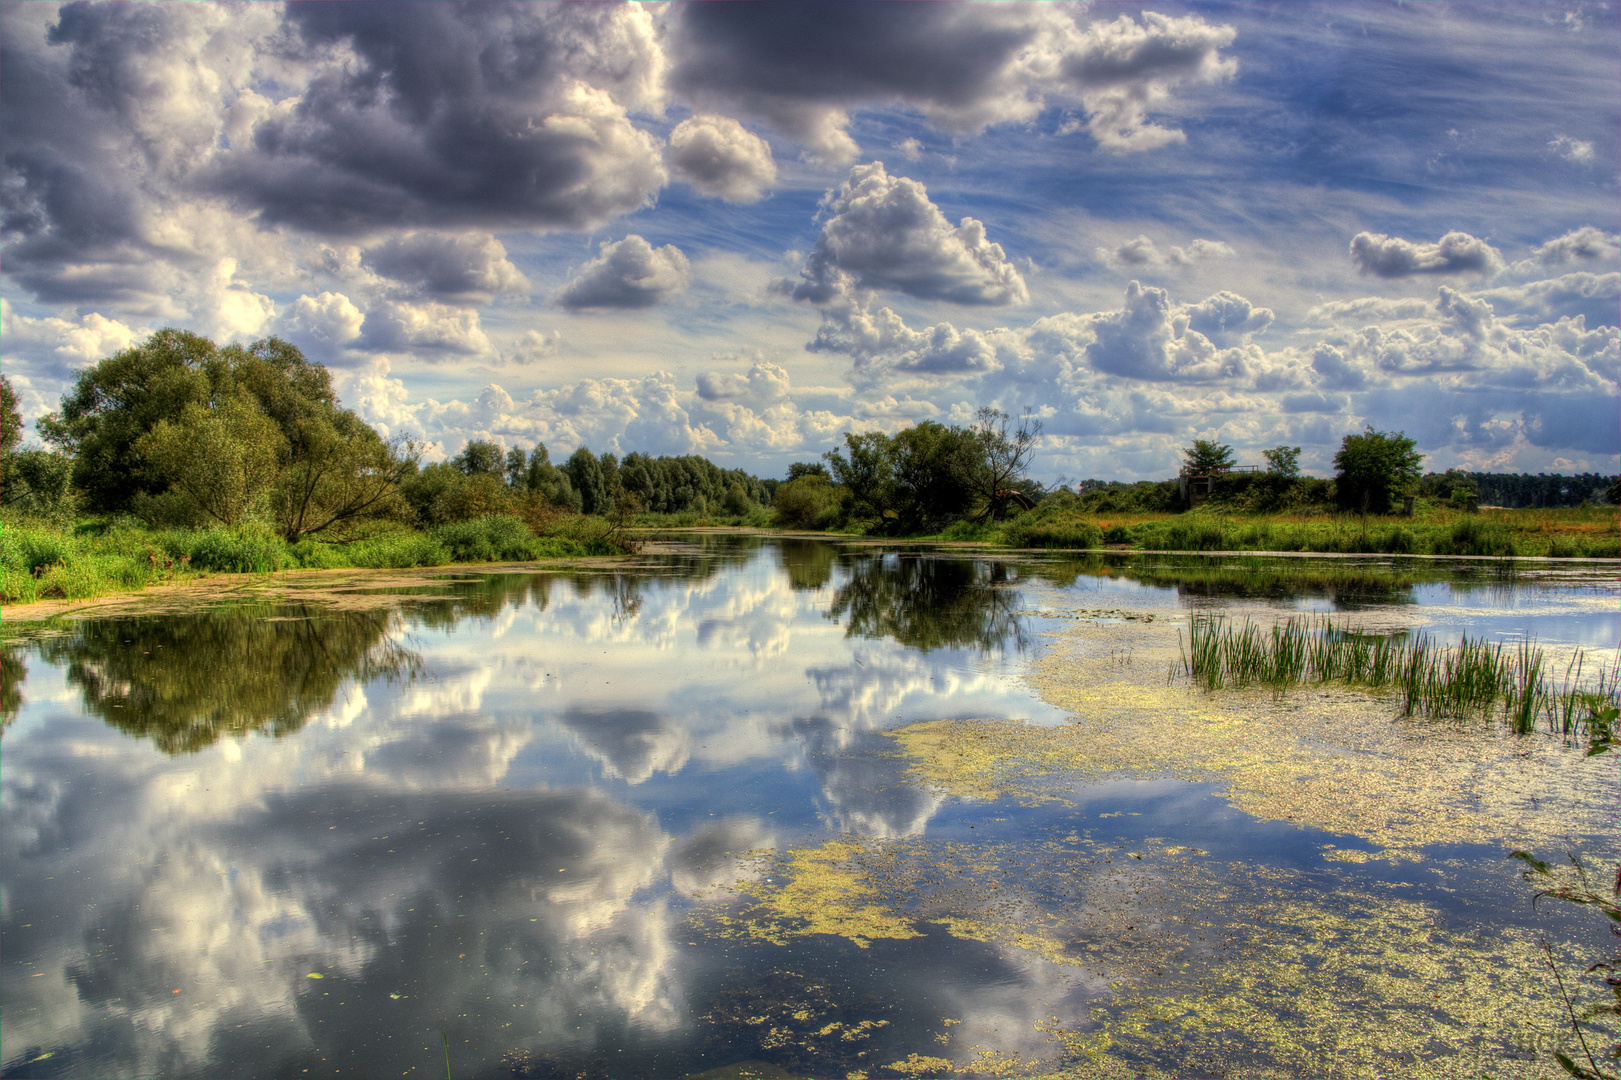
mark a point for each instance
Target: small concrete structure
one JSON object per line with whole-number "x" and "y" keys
{"x": 1195, "y": 488}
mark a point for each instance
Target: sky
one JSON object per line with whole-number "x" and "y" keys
{"x": 745, "y": 230}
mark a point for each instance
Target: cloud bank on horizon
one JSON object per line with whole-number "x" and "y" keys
{"x": 742, "y": 230}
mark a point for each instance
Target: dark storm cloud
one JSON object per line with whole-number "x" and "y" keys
{"x": 70, "y": 214}
{"x": 471, "y": 268}
{"x": 455, "y": 115}
{"x": 964, "y": 66}
{"x": 628, "y": 274}
{"x": 777, "y": 58}
{"x": 883, "y": 232}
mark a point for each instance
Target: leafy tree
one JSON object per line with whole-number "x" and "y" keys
{"x": 480, "y": 457}
{"x": 341, "y": 472}
{"x": 1206, "y": 456}
{"x": 442, "y": 493}
{"x": 547, "y": 482}
{"x": 37, "y": 482}
{"x": 1283, "y": 461}
{"x": 222, "y": 459}
{"x": 938, "y": 472}
{"x": 11, "y": 421}
{"x": 867, "y": 475}
{"x": 808, "y": 468}
{"x": 1373, "y": 468}
{"x": 670, "y": 485}
{"x": 178, "y": 428}
{"x": 584, "y": 471}
{"x": 1006, "y": 458}
{"x": 517, "y": 465}
{"x": 612, "y": 483}
{"x": 736, "y": 502}
{"x": 118, "y": 401}
{"x": 32, "y": 481}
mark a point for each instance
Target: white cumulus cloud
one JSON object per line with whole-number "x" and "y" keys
{"x": 1392, "y": 257}
{"x": 630, "y": 273}
{"x": 881, "y": 232}
{"x": 720, "y": 157}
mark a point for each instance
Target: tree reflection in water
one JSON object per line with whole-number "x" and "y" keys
{"x": 931, "y": 603}
{"x": 808, "y": 563}
{"x": 13, "y": 672}
{"x": 186, "y": 681}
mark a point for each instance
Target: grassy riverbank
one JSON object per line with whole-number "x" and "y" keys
{"x": 41, "y": 561}
{"x": 1577, "y": 532}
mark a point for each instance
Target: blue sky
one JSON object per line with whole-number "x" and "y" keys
{"x": 744, "y": 230}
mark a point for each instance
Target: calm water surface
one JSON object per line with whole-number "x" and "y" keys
{"x": 294, "y": 839}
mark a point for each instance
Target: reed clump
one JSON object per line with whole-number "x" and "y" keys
{"x": 1471, "y": 678}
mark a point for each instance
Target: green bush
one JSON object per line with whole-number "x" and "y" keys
{"x": 1052, "y": 531}
{"x": 973, "y": 531}
{"x": 398, "y": 551}
{"x": 1119, "y": 534}
{"x": 228, "y": 551}
{"x": 1474, "y": 536}
{"x": 30, "y": 550}
{"x": 486, "y": 539}
{"x": 314, "y": 555}
{"x": 808, "y": 502}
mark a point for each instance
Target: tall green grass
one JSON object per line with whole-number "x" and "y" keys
{"x": 1502, "y": 534}
{"x": 1472, "y": 677}
{"x": 42, "y": 561}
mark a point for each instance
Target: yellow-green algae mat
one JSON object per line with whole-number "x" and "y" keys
{"x": 1207, "y": 968}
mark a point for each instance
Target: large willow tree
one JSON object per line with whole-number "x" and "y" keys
{"x": 178, "y": 429}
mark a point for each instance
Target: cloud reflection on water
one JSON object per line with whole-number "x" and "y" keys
{"x": 416, "y": 816}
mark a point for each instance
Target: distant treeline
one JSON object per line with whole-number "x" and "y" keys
{"x": 483, "y": 479}
{"x": 1521, "y": 490}
{"x": 1267, "y": 493}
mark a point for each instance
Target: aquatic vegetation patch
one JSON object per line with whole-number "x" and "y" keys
{"x": 817, "y": 891}
{"x": 1332, "y": 757}
{"x": 1473, "y": 677}
{"x": 1189, "y": 965}
{"x": 805, "y": 1025}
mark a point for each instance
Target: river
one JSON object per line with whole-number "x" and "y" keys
{"x": 753, "y": 806}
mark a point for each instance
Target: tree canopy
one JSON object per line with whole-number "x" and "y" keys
{"x": 930, "y": 474}
{"x": 1207, "y": 456}
{"x": 1283, "y": 461}
{"x": 182, "y": 431}
{"x": 11, "y": 421}
{"x": 1375, "y": 468}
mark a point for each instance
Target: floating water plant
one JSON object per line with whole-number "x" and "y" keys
{"x": 1473, "y": 677}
